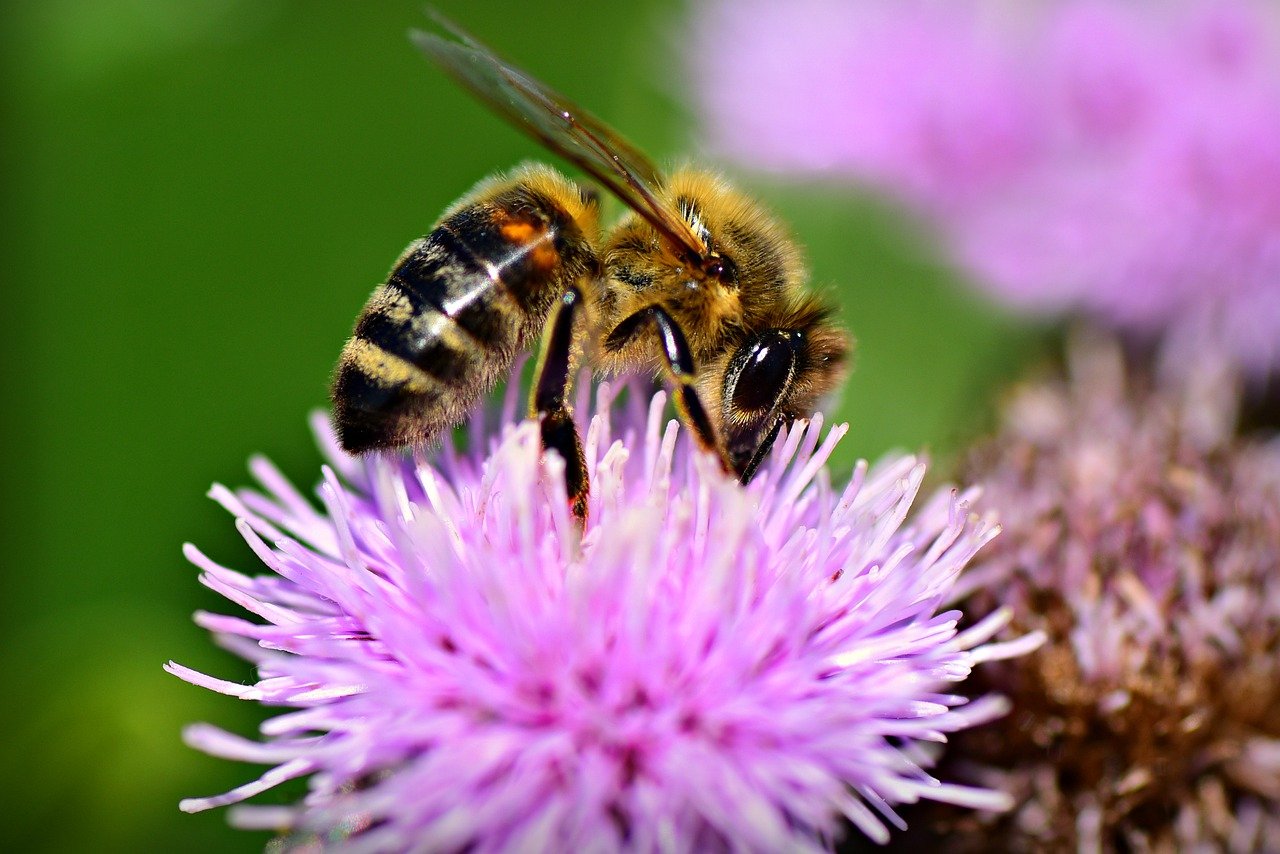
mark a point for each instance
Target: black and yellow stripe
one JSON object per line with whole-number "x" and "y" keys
{"x": 454, "y": 311}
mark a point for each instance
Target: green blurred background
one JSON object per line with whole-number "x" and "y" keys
{"x": 199, "y": 197}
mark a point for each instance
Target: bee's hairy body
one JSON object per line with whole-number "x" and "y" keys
{"x": 462, "y": 301}
{"x": 696, "y": 282}
{"x": 459, "y": 304}
{"x": 761, "y": 290}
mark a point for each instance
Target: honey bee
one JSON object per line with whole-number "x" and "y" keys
{"x": 696, "y": 282}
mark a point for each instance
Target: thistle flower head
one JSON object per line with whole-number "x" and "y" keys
{"x": 1147, "y": 549}
{"x": 1115, "y": 158}
{"x": 707, "y": 667}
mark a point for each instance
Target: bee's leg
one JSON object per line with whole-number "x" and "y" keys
{"x": 679, "y": 360}
{"x": 548, "y": 400}
{"x": 747, "y": 470}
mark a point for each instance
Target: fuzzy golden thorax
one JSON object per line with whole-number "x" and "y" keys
{"x": 761, "y": 267}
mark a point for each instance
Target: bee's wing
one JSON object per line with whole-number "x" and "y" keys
{"x": 561, "y": 126}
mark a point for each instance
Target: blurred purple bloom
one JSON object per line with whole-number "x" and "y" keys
{"x": 1119, "y": 158}
{"x": 1143, "y": 538}
{"x": 710, "y": 667}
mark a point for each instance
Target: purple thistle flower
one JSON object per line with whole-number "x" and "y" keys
{"x": 1143, "y": 539}
{"x": 708, "y": 667}
{"x": 1117, "y": 158}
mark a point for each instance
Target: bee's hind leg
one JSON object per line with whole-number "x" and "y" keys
{"x": 548, "y": 400}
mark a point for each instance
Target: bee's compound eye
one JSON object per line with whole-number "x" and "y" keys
{"x": 761, "y": 370}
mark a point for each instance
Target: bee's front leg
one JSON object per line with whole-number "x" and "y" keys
{"x": 678, "y": 357}
{"x": 548, "y": 401}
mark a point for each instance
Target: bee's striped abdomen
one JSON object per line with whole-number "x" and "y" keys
{"x": 456, "y": 308}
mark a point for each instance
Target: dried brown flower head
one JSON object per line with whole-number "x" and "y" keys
{"x": 1144, "y": 539}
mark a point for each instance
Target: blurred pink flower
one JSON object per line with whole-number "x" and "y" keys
{"x": 1120, "y": 158}
{"x": 708, "y": 668}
